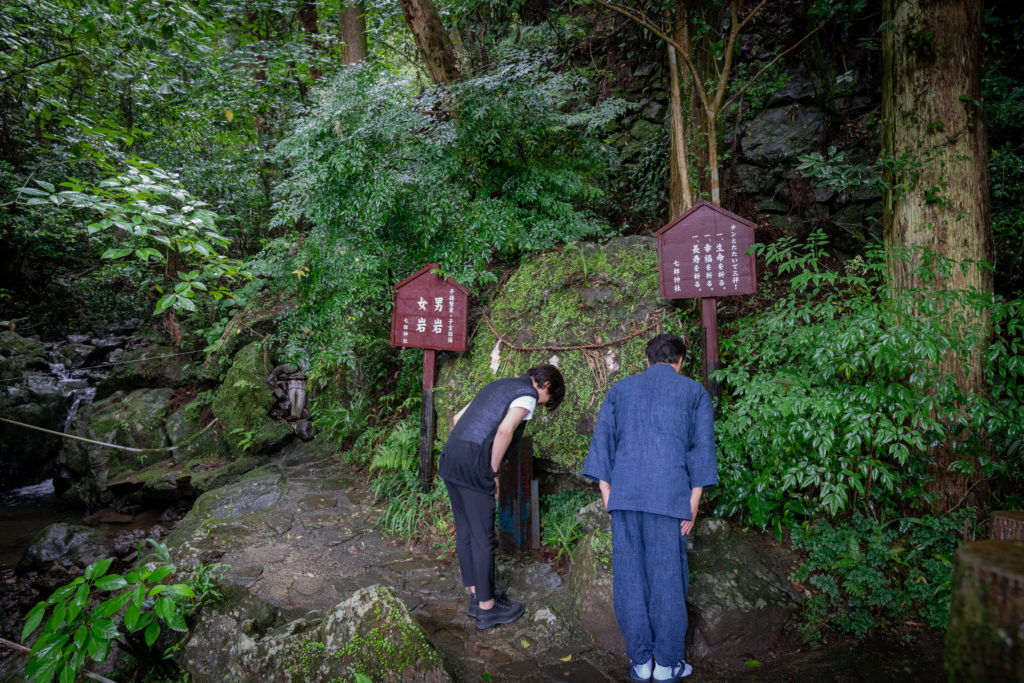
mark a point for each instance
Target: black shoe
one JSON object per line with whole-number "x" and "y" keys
{"x": 474, "y": 604}
{"x": 501, "y": 613}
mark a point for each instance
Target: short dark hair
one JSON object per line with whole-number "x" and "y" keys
{"x": 549, "y": 374}
{"x": 665, "y": 348}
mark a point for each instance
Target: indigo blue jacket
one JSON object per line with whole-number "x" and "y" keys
{"x": 654, "y": 442}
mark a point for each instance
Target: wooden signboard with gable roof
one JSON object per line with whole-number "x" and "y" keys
{"x": 703, "y": 254}
{"x": 430, "y": 313}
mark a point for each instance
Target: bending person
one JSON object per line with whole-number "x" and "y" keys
{"x": 482, "y": 432}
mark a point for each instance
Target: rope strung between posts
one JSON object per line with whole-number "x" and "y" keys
{"x": 130, "y": 449}
{"x": 571, "y": 347}
{"x": 107, "y": 365}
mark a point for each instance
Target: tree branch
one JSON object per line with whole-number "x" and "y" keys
{"x": 680, "y": 52}
{"x": 40, "y": 63}
{"x": 770, "y": 64}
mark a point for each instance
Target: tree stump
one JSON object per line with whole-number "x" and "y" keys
{"x": 1007, "y": 525}
{"x": 985, "y": 638}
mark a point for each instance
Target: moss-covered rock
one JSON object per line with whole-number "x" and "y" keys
{"x": 190, "y": 437}
{"x": 243, "y": 402}
{"x": 557, "y": 300}
{"x": 152, "y": 365}
{"x": 134, "y": 420}
{"x": 371, "y": 633}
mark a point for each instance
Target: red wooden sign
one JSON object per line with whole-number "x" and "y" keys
{"x": 429, "y": 312}
{"x": 702, "y": 254}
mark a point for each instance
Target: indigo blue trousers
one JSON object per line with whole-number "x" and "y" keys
{"x": 473, "y": 511}
{"x": 651, "y": 578}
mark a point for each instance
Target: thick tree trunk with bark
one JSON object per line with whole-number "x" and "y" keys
{"x": 935, "y": 140}
{"x": 432, "y": 39}
{"x": 353, "y": 33}
{"x": 680, "y": 197}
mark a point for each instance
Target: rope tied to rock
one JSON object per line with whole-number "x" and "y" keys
{"x": 571, "y": 347}
{"x": 130, "y": 449}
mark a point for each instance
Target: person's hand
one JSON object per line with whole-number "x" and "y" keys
{"x": 685, "y": 526}
{"x": 497, "y": 487}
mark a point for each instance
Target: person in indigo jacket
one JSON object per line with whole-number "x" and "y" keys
{"x": 482, "y": 432}
{"x": 652, "y": 454}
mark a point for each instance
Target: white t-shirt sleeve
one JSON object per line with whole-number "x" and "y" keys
{"x": 528, "y": 402}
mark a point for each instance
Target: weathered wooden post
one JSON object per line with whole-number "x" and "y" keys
{"x": 429, "y": 313}
{"x": 703, "y": 254}
{"x": 1007, "y": 525}
{"x": 985, "y": 638}
{"x": 515, "y": 497}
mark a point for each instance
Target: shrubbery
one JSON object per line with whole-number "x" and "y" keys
{"x": 834, "y": 400}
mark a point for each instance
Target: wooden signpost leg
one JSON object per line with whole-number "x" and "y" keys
{"x": 427, "y": 418}
{"x": 709, "y": 317}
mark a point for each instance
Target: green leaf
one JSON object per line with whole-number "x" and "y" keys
{"x": 164, "y": 608}
{"x": 131, "y": 617}
{"x": 33, "y": 619}
{"x": 80, "y": 635}
{"x": 111, "y": 582}
{"x": 105, "y": 629}
{"x": 46, "y": 186}
{"x": 115, "y": 253}
{"x": 97, "y": 649}
{"x": 183, "y": 589}
{"x": 161, "y": 572}
{"x": 152, "y": 633}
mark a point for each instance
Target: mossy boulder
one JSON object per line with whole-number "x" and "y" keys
{"x": 191, "y": 438}
{"x": 371, "y": 633}
{"x": 601, "y": 299}
{"x": 243, "y": 403}
{"x": 18, "y": 353}
{"x": 134, "y": 420}
{"x": 151, "y": 365}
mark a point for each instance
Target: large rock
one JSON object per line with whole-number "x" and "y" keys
{"x": 602, "y": 295}
{"x": 150, "y": 365}
{"x": 67, "y": 545}
{"x": 134, "y": 420}
{"x": 243, "y": 404}
{"x": 371, "y": 633}
{"x": 739, "y": 599}
{"x": 740, "y": 596}
{"x": 590, "y": 587}
{"x": 19, "y": 353}
{"x": 779, "y": 134}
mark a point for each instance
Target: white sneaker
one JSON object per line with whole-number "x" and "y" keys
{"x": 671, "y": 674}
{"x": 641, "y": 672}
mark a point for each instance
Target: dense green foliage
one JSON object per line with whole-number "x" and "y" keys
{"x": 560, "y": 530}
{"x": 836, "y": 397}
{"x": 87, "y": 617}
{"x": 388, "y": 179}
{"x": 869, "y": 574}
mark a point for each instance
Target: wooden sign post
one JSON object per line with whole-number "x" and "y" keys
{"x": 703, "y": 254}
{"x": 429, "y": 313}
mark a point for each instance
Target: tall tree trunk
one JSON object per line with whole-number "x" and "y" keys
{"x": 310, "y": 27}
{"x": 353, "y": 33}
{"x": 938, "y": 201}
{"x": 680, "y": 197}
{"x": 432, "y": 39}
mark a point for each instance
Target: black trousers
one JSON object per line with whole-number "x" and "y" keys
{"x": 474, "y": 537}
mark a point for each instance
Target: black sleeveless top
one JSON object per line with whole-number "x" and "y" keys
{"x": 466, "y": 457}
